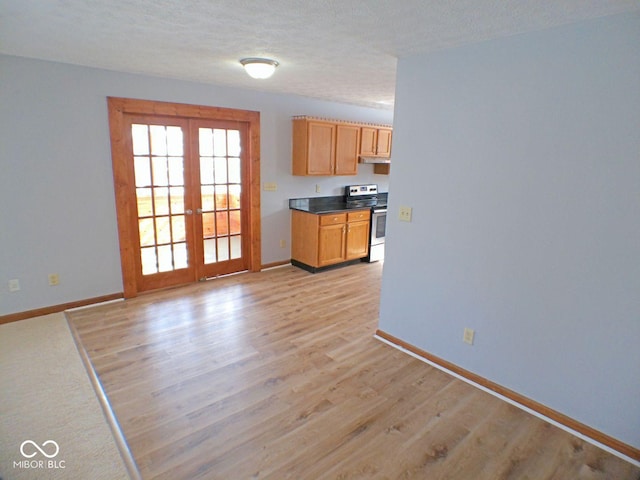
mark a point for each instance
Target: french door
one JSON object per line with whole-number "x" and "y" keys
{"x": 163, "y": 208}
{"x": 221, "y": 221}
{"x": 184, "y": 191}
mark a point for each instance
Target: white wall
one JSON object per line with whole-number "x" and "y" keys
{"x": 520, "y": 158}
{"x": 57, "y": 210}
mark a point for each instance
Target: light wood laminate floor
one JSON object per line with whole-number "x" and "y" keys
{"x": 276, "y": 375}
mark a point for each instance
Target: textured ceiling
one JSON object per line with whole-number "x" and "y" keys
{"x": 340, "y": 50}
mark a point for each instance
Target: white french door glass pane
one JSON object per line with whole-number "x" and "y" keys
{"x": 145, "y": 204}
{"x": 223, "y": 249}
{"x": 209, "y": 250}
{"x": 147, "y": 232}
{"x": 208, "y": 225}
{"x": 140, "y": 137}
{"x": 165, "y": 258}
{"x": 163, "y": 230}
{"x": 180, "y": 255}
{"x": 219, "y": 142}
{"x": 175, "y": 143}
{"x": 222, "y": 201}
{"x": 206, "y": 142}
{"x": 220, "y": 169}
{"x": 234, "y": 170}
{"x": 234, "y": 196}
{"x": 176, "y": 171}
{"x": 206, "y": 170}
{"x": 235, "y": 225}
{"x": 222, "y": 224}
{"x": 143, "y": 171}
{"x": 149, "y": 260}
{"x": 161, "y": 200}
{"x": 207, "y": 197}
{"x": 160, "y": 172}
{"x": 177, "y": 199}
{"x": 236, "y": 247}
{"x": 233, "y": 143}
{"x": 178, "y": 231}
{"x": 158, "y": 140}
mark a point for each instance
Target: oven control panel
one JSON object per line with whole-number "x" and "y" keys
{"x": 359, "y": 190}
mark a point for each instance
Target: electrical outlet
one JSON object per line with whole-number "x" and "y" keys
{"x": 54, "y": 279}
{"x": 270, "y": 187}
{"x": 405, "y": 214}
{"x": 468, "y": 336}
{"x": 14, "y": 285}
{"x": 283, "y": 243}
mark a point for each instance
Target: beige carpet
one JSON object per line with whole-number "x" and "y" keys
{"x": 50, "y": 415}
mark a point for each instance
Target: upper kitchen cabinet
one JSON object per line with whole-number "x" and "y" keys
{"x": 323, "y": 147}
{"x": 375, "y": 142}
{"x": 347, "y": 149}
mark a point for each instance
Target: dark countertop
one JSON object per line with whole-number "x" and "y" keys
{"x": 318, "y": 205}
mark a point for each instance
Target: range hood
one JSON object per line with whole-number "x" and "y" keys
{"x": 366, "y": 159}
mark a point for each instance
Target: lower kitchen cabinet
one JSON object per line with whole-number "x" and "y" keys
{"x": 358, "y": 238}
{"x": 324, "y": 240}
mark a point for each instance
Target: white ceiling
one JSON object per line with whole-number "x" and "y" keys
{"x": 339, "y": 50}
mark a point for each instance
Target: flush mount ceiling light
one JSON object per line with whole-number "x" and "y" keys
{"x": 259, "y": 67}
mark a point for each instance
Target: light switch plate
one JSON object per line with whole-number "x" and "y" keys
{"x": 270, "y": 187}
{"x": 468, "y": 336}
{"x": 405, "y": 214}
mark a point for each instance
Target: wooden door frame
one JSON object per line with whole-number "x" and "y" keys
{"x": 126, "y": 210}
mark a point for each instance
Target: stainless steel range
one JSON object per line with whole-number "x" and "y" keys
{"x": 359, "y": 196}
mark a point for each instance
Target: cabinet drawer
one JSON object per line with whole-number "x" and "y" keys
{"x": 333, "y": 219}
{"x": 358, "y": 216}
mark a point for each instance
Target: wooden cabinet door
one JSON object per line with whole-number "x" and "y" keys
{"x": 331, "y": 244}
{"x": 347, "y": 146}
{"x": 357, "y": 240}
{"x": 383, "y": 144}
{"x": 375, "y": 141}
{"x": 368, "y": 140}
{"x": 321, "y": 148}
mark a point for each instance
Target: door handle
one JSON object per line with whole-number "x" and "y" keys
{"x": 199, "y": 211}
{"x": 189, "y": 211}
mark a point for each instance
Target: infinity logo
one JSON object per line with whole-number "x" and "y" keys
{"x": 25, "y": 455}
